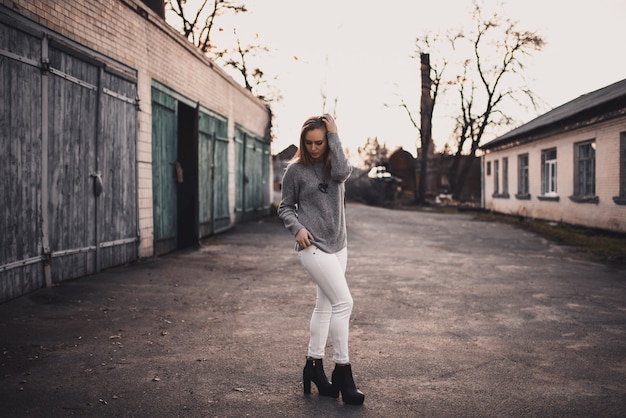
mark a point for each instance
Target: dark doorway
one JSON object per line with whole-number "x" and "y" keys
{"x": 188, "y": 181}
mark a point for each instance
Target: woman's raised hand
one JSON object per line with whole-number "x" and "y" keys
{"x": 331, "y": 125}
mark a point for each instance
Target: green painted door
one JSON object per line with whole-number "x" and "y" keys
{"x": 221, "y": 213}
{"x": 265, "y": 174}
{"x": 253, "y": 167}
{"x": 206, "y": 135}
{"x": 240, "y": 175}
{"x": 212, "y": 174}
{"x": 252, "y": 176}
{"x": 164, "y": 180}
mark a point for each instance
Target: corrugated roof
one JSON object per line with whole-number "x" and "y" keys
{"x": 583, "y": 103}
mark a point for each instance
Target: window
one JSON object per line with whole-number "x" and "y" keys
{"x": 585, "y": 173}
{"x": 488, "y": 168}
{"x": 496, "y": 177}
{"x": 505, "y": 177}
{"x": 548, "y": 172}
{"x": 522, "y": 177}
{"x": 621, "y": 198}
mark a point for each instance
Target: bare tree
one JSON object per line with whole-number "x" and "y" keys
{"x": 325, "y": 105}
{"x": 492, "y": 56}
{"x": 238, "y": 59}
{"x": 485, "y": 85}
{"x": 197, "y": 21}
{"x": 198, "y": 24}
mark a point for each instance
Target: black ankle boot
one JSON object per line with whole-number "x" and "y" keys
{"x": 314, "y": 372}
{"x": 344, "y": 382}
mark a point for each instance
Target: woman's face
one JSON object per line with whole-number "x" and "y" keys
{"x": 315, "y": 143}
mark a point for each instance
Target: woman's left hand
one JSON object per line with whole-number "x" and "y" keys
{"x": 304, "y": 238}
{"x": 331, "y": 125}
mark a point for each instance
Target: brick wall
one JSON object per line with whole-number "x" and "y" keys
{"x": 605, "y": 214}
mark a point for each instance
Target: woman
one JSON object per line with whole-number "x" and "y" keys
{"x": 312, "y": 208}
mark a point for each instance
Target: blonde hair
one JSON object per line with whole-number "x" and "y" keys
{"x": 302, "y": 156}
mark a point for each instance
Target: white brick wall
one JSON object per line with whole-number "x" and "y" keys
{"x": 605, "y": 214}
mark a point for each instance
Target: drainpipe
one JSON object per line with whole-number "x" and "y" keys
{"x": 482, "y": 181}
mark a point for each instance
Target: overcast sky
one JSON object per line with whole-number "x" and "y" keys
{"x": 360, "y": 53}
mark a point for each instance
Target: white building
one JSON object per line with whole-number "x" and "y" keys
{"x": 568, "y": 165}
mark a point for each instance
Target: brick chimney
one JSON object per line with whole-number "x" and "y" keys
{"x": 157, "y": 6}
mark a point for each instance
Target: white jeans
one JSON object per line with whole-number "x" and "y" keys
{"x": 333, "y": 305}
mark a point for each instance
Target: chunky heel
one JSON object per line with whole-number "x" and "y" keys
{"x": 344, "y": 382}
{"x": 314, "y": 372}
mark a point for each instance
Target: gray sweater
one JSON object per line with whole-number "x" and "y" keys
{"x": 302, "y": 205}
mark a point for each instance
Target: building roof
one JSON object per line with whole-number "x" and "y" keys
{"x": 607, "y": 102}
{"x": 287, "y": 153}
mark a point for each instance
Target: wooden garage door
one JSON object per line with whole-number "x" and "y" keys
{"x": 252, "y": 158}
{"x": 69, "y": 129}
{"x": 92, "y": 181}
{"x": 164, "y": 157}
{"x": 21, "y": 255}
{"x": 213, "y": 174}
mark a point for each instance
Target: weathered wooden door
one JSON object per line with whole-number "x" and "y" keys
{"x": 213, "y": 174}
{"x": 221, "y": 212}
{"x": 21, "y": 171}
{"x": 266, "y": 160}
{"x": 253, "y": 166}
{"x": 116, "y": 211}
{"x": 240, "y": 174}
{"x": 164, "y": 174}
{"x": 252, "y": 175}
{"x": 72, "y": 123}
{"x": 206, "y": 139}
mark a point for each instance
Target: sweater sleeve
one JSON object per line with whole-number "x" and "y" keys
{"x": 289, "y": 199}
{"x": 341, "y": 167}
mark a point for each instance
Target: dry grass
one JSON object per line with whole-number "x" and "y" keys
{"x": 606, "y": 246}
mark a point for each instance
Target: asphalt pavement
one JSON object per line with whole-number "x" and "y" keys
{"x": 453, "y": 317}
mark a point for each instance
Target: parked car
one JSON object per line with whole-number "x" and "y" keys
{"x": 380, "y": 172}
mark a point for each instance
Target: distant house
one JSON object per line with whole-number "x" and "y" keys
{"x": 568, "y": 165}
{"x": 403, "y": 165}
